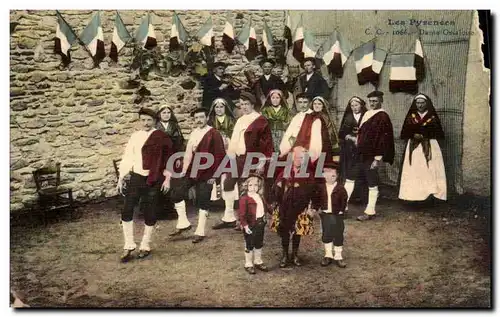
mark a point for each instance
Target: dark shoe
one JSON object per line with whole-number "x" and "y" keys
{"x": 296, "y": 261}
{"x": 261, "y": 267}
{"x": 250, "y": 269}
{"x": 179, "y": 231}
{"x": 284, "y": 260}
{"x": 224, "y": 224}
{"x": 198, "y": 239}
{"x": 126, "y": 256}
{"x": 143, "y": 254}
{"x": 340, "y": 263}
{"x": 365, "y": 217}
{"x": 326, "y": 261}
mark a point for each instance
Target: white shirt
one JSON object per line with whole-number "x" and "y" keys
{"x": 267, "y": 76}
{"x": 276, "y": 109}
{"x": 422, "y": 114}
{"x": 329, "y": 190}
{"x": 237, "y": 144}
{"x": 221, "y": 118}
{"x": 220, "y": 79}
{"x": 356, "y": 116}
{"x": 165, "y": 124}
{"x": 293, "y": 130}
{"x": 132, "y": 157}
{"x": 308, "y": 76}
{"x": 260, "y": 205}
{"x": 194, "y": 139}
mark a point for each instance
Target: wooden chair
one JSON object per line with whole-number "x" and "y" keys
{"x": 51, "y": 193}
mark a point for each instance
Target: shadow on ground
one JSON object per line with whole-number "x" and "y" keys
{"x": 410, "y": 256}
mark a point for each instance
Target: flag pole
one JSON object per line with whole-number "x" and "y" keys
{"x": 426, "y": 61}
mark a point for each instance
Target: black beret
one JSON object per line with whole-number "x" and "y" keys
{"x": 147, "y": 112}
{"x": 198, "y": 110}
{"x": 375, "y": 93}
{"x": 245, "y": 95}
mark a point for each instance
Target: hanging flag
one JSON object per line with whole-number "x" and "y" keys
{"x": 178, "y": 34}
{"x": 120, "y": 37}
{"x": 336, "y": 52}
{"x": 228, "y": 36}
{"x": 93, "y": 38}
{"x": 206, "y": 33}
{"x": 65, "y": 37}
{"x": 248, "y": 38}
{"x": 419, "y": 60}
{"x": 146, "y": 33}
{"x": 298, "y": 41}
{"x": 309, "y": 47}
{"x": 403, "y": 76}
{"x": 379, "y": 56}
{"x": 363, "y": 59}
{"x": 287, "y": 34}
{"x": 267, "y": 40}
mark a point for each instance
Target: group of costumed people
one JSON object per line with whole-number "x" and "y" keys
{"x": 284, "y": 196}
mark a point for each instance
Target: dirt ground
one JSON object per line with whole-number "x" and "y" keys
{"x": 409, "y": 256}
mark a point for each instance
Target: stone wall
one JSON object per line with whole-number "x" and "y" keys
{"x": 82, "y": 116}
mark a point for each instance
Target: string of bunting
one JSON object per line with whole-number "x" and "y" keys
{"x": 406, "y": 69}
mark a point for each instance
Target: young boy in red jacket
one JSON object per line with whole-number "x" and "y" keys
{"x": 331, "y": 202}
{"x": 252, "y": 213}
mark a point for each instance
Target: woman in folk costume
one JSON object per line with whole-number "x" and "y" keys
{"x": 348, "y": 134}
{"x": 278, "y": 115}
{"x": 167, "y": 122}
{"x": 222, "y": 118}
{"x": 252, "y": 216}
{"x": 320, "y": 106}
{"x": 423, "y": 172}
{"x": 292, "y": 216}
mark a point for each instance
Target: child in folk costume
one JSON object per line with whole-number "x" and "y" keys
{"x": 276, "y": 111}
{"x": 423, "y": 172}
{"x": 292, "y": 194}
{"x": 252, "y": 216}
{"x": 331, "y": 202}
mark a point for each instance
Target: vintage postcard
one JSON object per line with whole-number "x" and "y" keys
{"x": 250, "y": 158}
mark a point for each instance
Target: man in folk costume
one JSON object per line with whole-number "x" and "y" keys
{"x": 267, "y": 82}
{"x": 145, "y": 159}
{"x": 311, "y": 82}
{"x": 308, "y": 130}
{"x": 292, "y": 194}
{"x": 278, "y": 115}
{"x": 423, "y": 172}
{"x": 375, "y": 144}
{"x": 222, "y": 119}
{"x": 251, "y": 134}
{"x": 203, "y": 140}
{"x": 330, "y": 199}
{"x": 214, "y": 86}
{"x": 350, "y": 159}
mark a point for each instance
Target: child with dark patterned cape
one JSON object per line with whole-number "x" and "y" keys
{"x": 292, "y": 196}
